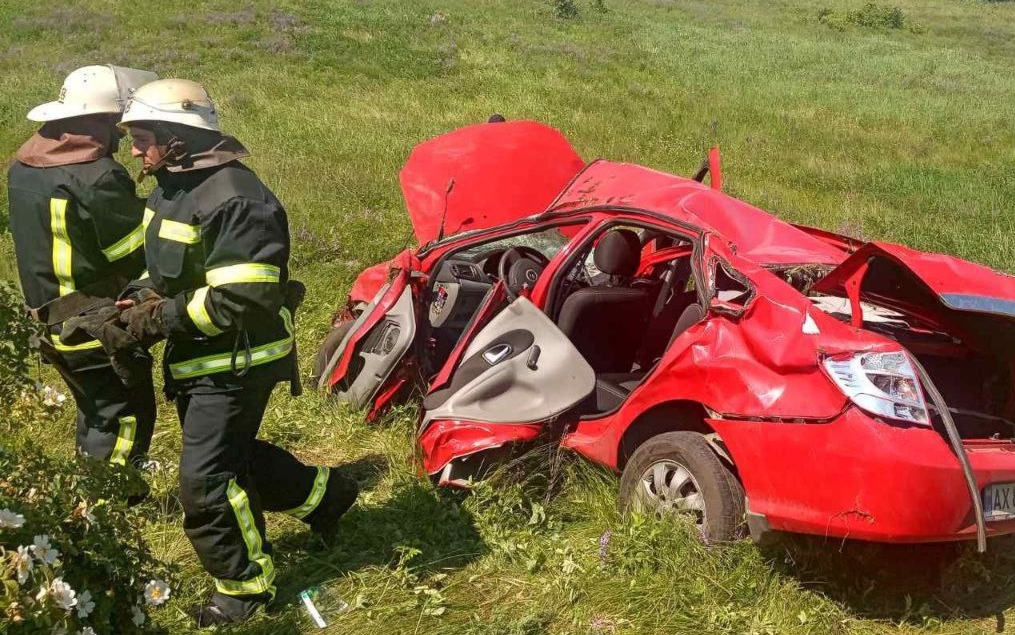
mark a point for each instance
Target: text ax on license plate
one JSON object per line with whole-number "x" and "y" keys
{"x": 999, "y": 501}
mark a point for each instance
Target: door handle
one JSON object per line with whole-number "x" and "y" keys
{"x": 533, "y": 357}
{"x": 497, "y": 353}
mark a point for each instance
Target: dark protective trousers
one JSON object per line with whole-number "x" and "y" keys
{"x": 114, "y": 423}
{"x": 228, "y": 478}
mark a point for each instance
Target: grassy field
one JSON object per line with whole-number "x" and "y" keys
{"x": 899, "y": 134}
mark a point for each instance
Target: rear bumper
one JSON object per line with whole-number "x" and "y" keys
{"x": 859, "y": 478}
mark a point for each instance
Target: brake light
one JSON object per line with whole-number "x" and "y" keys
{"x": 883, "y": 384}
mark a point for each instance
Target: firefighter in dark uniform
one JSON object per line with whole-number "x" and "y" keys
{"x": 78, "y": 230}
{"x": 217, "y": 251}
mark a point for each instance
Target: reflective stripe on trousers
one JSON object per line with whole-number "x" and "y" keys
{"x": 264, "y": 581}
{"x": 124, "y": 440}
{"x": 315, "y": 497}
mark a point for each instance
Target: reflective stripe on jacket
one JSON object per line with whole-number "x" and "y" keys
{"x": 74, "y": 226}
{"x": 217, "y": 246}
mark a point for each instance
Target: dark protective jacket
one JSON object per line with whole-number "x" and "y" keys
{"x": 75, "y": 226}
{"x": 217, "y": 247}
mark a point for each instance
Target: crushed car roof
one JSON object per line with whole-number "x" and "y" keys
{"x": 758, "y": 235}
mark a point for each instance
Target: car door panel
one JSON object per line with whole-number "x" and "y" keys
{"x": 374, "y": 346}
{"x": 519, "y": 369}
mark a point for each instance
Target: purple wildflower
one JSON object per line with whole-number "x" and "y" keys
{"x": 604, "y": 541}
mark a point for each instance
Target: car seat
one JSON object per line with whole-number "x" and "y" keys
{"x": 607, "y": 323}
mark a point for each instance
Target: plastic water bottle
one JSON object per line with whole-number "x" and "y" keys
{"x": 320, "y": 607}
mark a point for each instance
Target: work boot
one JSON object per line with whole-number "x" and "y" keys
{"x": 227, "y": 609}
{"x": 338, "y": 498}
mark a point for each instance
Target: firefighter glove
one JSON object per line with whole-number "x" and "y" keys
{"x": 143, "y": 321}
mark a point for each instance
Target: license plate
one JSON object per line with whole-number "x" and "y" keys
{"x": 999, "y": 501}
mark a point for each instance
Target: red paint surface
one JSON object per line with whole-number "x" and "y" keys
{"x": 368, "y": 283}
{"x": 443, "y": 441}
{"x": 385, "y": 397}
{"x": 715, "y": 169}
{"x": 759, "y": 236}
{"x": 501, "y": 172}
{"x": 854, "y": 477}
{"x": 650, "y": 260}
{"x": 941, "y": 273}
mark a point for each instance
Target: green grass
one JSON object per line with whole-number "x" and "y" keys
{"x": 888, "y": 134}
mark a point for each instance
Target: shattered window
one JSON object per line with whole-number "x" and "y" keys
{"x": 547, "y": 242}
{"x": 729, "y": 288}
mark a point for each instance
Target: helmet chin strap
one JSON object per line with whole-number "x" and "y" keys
{"x": 175, "y": 149}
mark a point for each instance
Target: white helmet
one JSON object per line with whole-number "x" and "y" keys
{"x": 92, "y": 90}
{"x": 172, "y": 100}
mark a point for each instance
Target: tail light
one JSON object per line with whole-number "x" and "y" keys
{"x": 883, "y": 384}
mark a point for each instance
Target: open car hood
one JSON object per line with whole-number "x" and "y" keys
{"x": 500, "y": 172}
{"x": 946, "y": 291}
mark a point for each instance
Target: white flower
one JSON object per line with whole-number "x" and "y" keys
{"x": 62, "y": 594}
{"x": 42, "y": 550}
{"x": 23, "y": 563}
{"x": 139, "y": 616}
{"x": 87, "y": 631}
{"x": 10, "y": 519}
{"x": 156, "y": 592}
{"x": 85, "y": 604}
{"x": 52, "y": 397}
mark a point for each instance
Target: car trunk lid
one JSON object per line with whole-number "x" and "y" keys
{"x": 958, "y": 296}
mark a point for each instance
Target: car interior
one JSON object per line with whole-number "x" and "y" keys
{"x": 621, "y": 300}
{"x": 623, "y": 323}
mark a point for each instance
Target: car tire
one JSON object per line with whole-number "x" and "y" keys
{"x": 327, "y": 349}
{"x": 694, "y": 481}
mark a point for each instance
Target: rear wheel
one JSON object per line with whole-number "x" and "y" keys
{"x": 679, "y": 473}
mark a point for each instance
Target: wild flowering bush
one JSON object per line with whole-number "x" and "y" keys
{"x": 72, "y": 557}
{"x": 15, "y": 354}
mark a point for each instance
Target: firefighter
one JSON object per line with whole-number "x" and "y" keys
{"x": 78, "y": 228}
{"x": 217, "y": 252}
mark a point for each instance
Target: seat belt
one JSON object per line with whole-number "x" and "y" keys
{"x": 666, "y": 291}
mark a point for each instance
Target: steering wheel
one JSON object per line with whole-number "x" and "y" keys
{"x": 519, "y": 267}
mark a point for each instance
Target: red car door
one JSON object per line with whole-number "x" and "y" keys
{"x": 513, "y": 376}
{"x": 374, "y": 346}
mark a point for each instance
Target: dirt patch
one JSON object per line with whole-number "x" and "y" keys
{"x": 64, "y": 20}
{"x": 275, "y": 43}
{"x": 285, "y": 22}
{"x": 247, "y": 15}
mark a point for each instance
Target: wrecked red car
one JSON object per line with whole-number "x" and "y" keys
{"x": 729, "y": 364}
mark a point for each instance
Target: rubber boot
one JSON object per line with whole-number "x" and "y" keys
{"x": 338, "y": 498}
{"x": 226, "y": 609}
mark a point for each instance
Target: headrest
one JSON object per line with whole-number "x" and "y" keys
{"x": 618, "y": 253}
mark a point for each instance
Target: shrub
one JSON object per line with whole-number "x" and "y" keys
{"x": 870, "y": 16}
{"x": 565, "y": 9}
{"x": 72, "y": 558}
{"x": 15, "y": 351}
